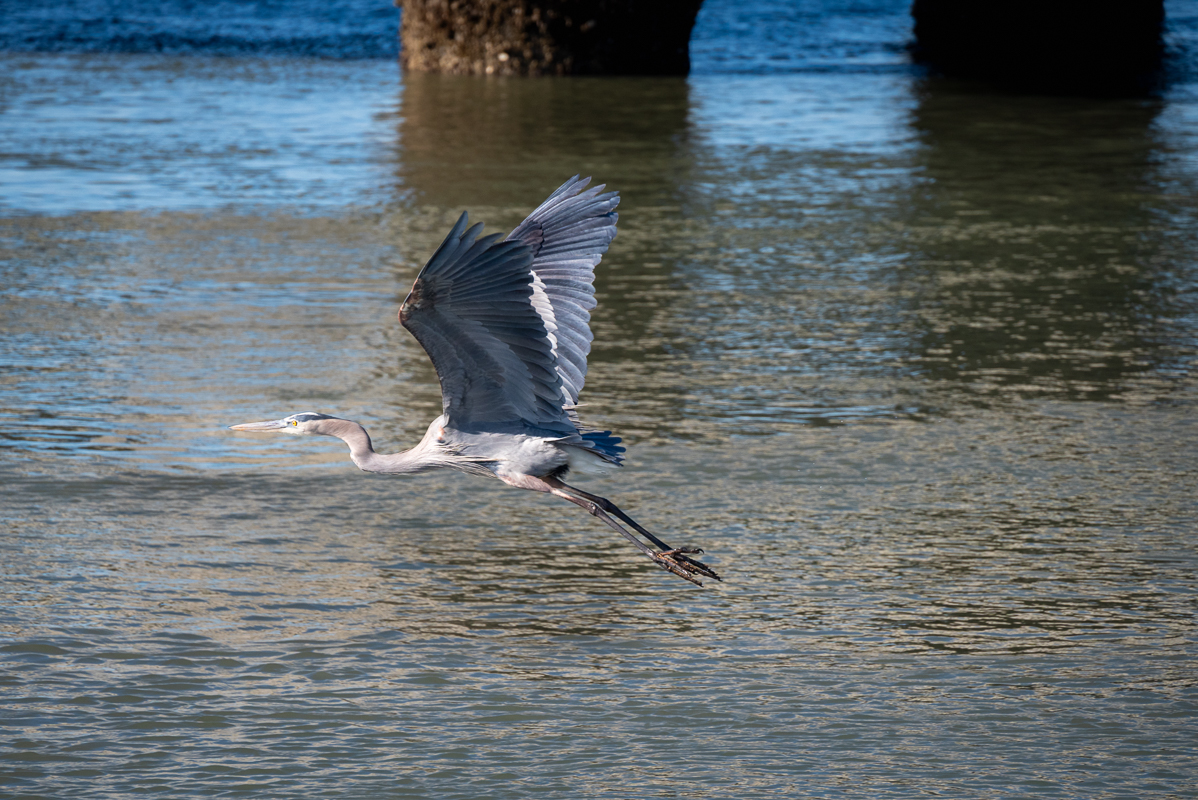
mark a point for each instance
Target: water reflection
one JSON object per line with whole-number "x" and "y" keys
{"x": 497, "y": 147}
{"x": 1037, "y": 255}
{"x": 465, "y": 142}
{"x": 798, "y": 256}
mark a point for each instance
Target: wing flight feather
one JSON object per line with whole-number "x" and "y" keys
{"x": 507, "y": 323}
{"x": 569, "y": 234}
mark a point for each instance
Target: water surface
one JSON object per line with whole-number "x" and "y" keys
{"x": 915, "y": 363}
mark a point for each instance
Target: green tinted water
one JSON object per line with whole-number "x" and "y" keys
{"x": 915, "y": 365}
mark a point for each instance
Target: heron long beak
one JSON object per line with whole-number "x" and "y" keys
{"x": 273, "y": 425}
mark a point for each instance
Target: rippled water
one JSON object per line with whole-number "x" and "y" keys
{"x": 915, "y": 363}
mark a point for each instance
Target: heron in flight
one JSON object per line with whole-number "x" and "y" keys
{"x": 507, "y": 327}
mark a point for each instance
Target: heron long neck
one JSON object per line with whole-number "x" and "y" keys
{"x": 362, "y": 451}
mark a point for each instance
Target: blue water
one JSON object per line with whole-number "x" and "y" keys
{"x": 915, "y": 362}
{"x": 342, "y": 29}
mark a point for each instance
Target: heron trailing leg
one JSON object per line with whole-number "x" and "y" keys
{"x": 676, "y": 560}
{"x": 612, "y": 508}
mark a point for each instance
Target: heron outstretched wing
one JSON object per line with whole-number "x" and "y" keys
{"x": 508, "y": 344}
{"x": 569, "y": 234}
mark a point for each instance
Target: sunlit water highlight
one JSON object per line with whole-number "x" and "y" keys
{"x": 915, "y": 363}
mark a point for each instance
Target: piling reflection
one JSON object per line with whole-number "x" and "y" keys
{"x": 1036, "y": 245}
{"x": 465, "y": 141}
{"x": 497, "y": 147}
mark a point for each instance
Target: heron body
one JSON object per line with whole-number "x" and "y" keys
{"x": 506, "y": 324}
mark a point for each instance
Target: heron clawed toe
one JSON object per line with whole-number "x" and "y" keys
{"x": 678, "y": 562}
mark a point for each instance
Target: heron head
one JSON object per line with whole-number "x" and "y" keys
{"x": 305, "y": 423}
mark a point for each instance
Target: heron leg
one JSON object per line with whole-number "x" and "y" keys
{"x": 554, "y": 487}
{"x": 674, "y": 559}
{"x": 612, "y": 508}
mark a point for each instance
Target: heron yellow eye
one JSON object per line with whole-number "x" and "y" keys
{"x": 294, "y": 424}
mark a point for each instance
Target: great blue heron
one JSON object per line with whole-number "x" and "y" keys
{"x": 507, "y": 326}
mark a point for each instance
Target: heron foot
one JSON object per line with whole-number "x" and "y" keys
{"x": 678, "y": 561}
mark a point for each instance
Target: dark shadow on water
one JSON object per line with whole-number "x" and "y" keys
{"x": 466, "y": 141}
{"x": 497, "y": 147}
{"x": 1037, "y": 245}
